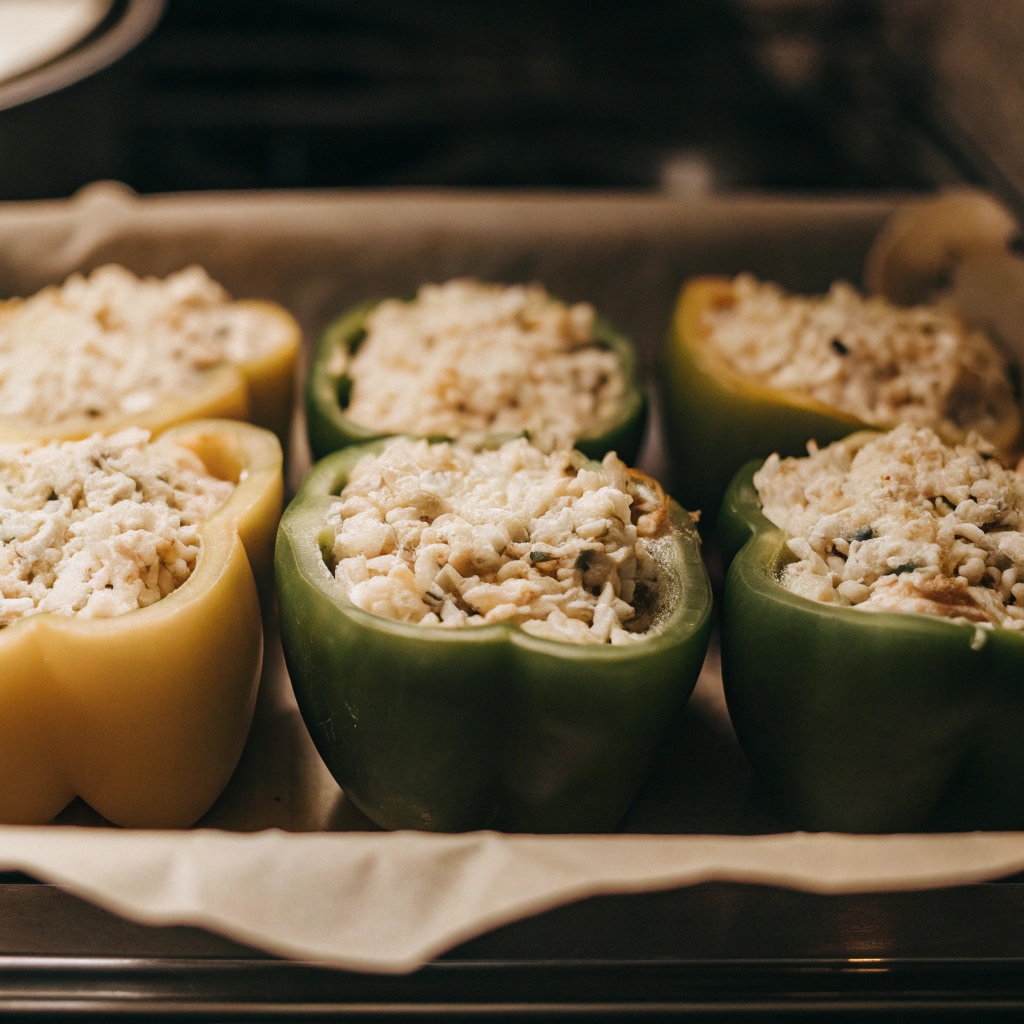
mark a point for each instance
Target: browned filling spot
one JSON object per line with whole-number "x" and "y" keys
{"x": 949, "y": 598}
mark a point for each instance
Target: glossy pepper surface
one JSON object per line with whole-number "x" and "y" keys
{"x": 717, "y": 419}
{"x": 259, "y": 390}
{"x": 483, "y": 726}
{"x": 327, "y": 394}
{"x": 144, "y": 715}
{"x": 865, "y": 721}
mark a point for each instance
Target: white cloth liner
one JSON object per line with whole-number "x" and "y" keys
{"x": 390, "y": 902}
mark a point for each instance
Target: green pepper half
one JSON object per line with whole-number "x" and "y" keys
{"x": 864, "y": 721}
{"x": 484, "y": 726}
{"x": 328, "y": 392}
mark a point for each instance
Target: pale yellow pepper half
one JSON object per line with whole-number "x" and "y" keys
{"x": 144, "y": 715}
{"x": 258, "y": 390}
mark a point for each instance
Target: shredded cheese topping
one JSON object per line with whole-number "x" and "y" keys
{"x": 113, "y": 343}
{"x": 99, "y": 527}
{"x": 468, "y": 358}
{"x": 902, "y": 522}
{"x": 441, "y": 535}
{"x": 882, "y": 363}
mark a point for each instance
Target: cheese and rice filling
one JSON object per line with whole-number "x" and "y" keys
{"x": 115, "y": 344}
{"x": 882, "y": 363}
{"x": 902, "y": 522}
{"x": 468, "y": 358}
{"x": 442, "y": 535}
{"x": 99, "y": 527}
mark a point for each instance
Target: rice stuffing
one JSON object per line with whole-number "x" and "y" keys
{"x": 115, "y": 344}
{"x": 99, "y": 527}
{"x": 902, "y": 522}
{"x": 882, "y": 363}
{"x": 441, "y": 535}
{"x": 468, "y": 358}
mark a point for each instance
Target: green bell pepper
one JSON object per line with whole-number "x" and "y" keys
{"x": 865, "y": 721}
{"x": 485, "y": 726}
{"x": 328, "y": 392}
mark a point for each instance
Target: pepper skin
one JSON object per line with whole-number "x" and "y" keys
{"x": 144, "y": 715}
{"x": 864, "y": 721}
{"x": 484, "y": 726}
{"x": 258, "y": 390}
{"x": 717, "y": 419}
{"x": 327, "y": 394}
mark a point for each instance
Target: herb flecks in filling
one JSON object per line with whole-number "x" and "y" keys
{"x": 468, "y": 358}
{"x": 882, "y": 363}
{"x": 902, "y": 522}
{"x": 99, "y": 527}
{"x": 112, "y": 343}
{"x": 442, "y": 535}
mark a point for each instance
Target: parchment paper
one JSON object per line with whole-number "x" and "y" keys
{"x": 282, "y": 861}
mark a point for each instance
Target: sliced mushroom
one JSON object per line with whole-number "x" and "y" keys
{"x": 988, "y": 290}
{"x": 650, "y": 504}
{"x": 916, "y": 253}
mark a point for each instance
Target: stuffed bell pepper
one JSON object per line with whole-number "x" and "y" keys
{"x": 488, "y": 638}
{"x": 112, "y": 350}
{"x": 468, "y": 360}
{"x": 751, "y": 370}
{"x": 873, "y": 632}
{"x": 130, "y": 631}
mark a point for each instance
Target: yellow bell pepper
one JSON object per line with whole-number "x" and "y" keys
{"x": 144, "y": 715}
{"x": 259, "y": 390}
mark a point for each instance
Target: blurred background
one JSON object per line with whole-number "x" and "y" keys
{"x": 687, "y": 96}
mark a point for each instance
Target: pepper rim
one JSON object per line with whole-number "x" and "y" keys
{"x": 224, "y": 391}
{"x": 691, "y": 334}
{"x": 758, "y": 559}
{"x": 303, "y": 520}
{"x": 219, "y": 532}
{"x": 322, "y": 399}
